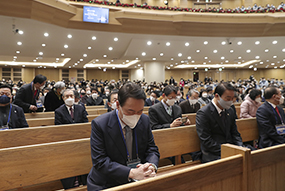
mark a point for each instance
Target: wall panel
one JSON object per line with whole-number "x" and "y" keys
{"x": 50, "y": 73}
{"x": 99, "y": 74}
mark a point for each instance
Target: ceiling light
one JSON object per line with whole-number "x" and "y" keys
{"x": 143, "y": 54}
{"x": 215, "y": 51}
{"x": 205, "y": 42}
{"x": 24, "y": 65}
{"x": 69, "y": 66}
{"x": 260, "y": 62}
{"x": 197, "y": 51}
{"x": 179, "y": 54}
{"x": 257, "y": 57}
{"x": 65, "y": 46}
{"x": 226, "y": 61}
{"x": 248, "y": 51}
{"x": 192, "y": 61}
{"x": 112, "y": 60}
{"x": 171, "y": 59}
{"x": 41, "y": 53}
{"x": 206, "y": 58}
{"x": 15, "y": 57}
{"x": 231, "y": 51}
{"x": 75, "y": 64}
{"x": 266, "y": 50}
{"x": 257, "y": 42}
{"x": 149, "y": 43}
{"x": 104, "y": 55}
{"x": 239, "y": 57}
{"x": 18, "y": 52}
{"x": 84, "y": 55}
{"x": 206, "y": 69}
{"x": 272, "y": 64}
{"x": 223, "y": 43}
{"x": 187, "y": 44}
{"x": 189, "y": 57}
{"x": 109, "y": 62}
{"x": 275, "y": 67}
{"x": 153, "y": 58}
{"x": 20, "y": 32}
{"x": 222, "y": 57}
{"x": 110, "y": 48}
{"x": 116, "y": 39}
{"x": 19, "y": 43}
{"x": 274, "y": 42}
{"x": 69, "y": 36}
{"x": 161, "y": 54}
{"x": 57, "y": 59}
{"x": 254, "y": 69}
{"x": 62, "y": 54}
{"x": 127, "y": 60}
{"x": 97, "y": 60}
{"x": 239, "y": 43}
{"x": 168, "y": 44}
{"x": 93, "y": 37}
{"x": 283, "y": 50}
{"x": 274, "y": 56}
{"x": 204, "y": 63}
{"x": 34, "y": 60}
{"x": 171, "y": 65}
{"x": 46, "y": 34}
{"x": 43, "y": 45}
{"x": 89, "y": 47}
{"x": 137, "y": 58}
{"x": 139, "y": 65}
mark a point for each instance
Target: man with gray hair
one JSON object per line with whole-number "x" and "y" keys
{"x": 191, "y": 105}
{"x": 53, "y": 99}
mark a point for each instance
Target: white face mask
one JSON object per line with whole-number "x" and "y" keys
{"x": 69, "y": 101}
{"x": 94, "y": 96}
{"x": 170, "y": 102}
{"x": 107, "y": 93}
{"x": 178, "y": 97}
{"x": 258, "y": 100}
{"x": 130, "y": 120}
{"x": 88, "y": 92}
{"x": 204, "y": 95}
{"x": 45, "y": 94}
{"x": 61, "y": 91}
{"x": 151, "y": 98}
{"x": 42, "y": 87}
{"x": 114, "y": 105}
{"x": 281, "y": 100}
{"x": 193, "y": 101}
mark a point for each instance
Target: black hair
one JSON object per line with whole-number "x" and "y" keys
{"x": 202, "y": 91}
{"x": 208, "y": 89}
{"x": 130, "y": 90}
{"x": 222, "y": 87}
{"x": 169, "y": 89}
{"x": 76, "y": 94}
{"x": 254, "y": 93}
{"x": 269, "y": 92}
{"x": 39, "y": 79}
{"x": 156, "y": 93}
{"x": 247, "y": 90}
{"x": 114, "y": 91}
{"x": 94, "y": 89}
{"x": 6, "y": 86}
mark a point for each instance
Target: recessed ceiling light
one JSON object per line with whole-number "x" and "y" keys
{"x": 168, "y": 44}
{"x": 267, "y": 60}
{"x": 116, "y": 39}
{"x": 69, "y": 66}
{"x": 257, "y": 42}
{"x": 104, "y": 55}
{"x": 149, "y": 43}
{"x": 75, "y": 64}
{"x": 171, "y": 65}
{"x": 239, "y": 43}
{"x": 275, "y": 67}
{"x": 231, "y": 51}
{"x": 161, "y": 54}
{"x": 260, "y": 62}
{"x": 37, "y": 58}
{"x": 189, "y": 57}
{"x": 46, "y": 34}
{"x": 69, "y": 36}
{"x": 19, "y": 43}
{"x": 239, "y": 57}
{"x": 93, "y": 37}
{"x": 18, "y": 52}
{"x": 45, "y": 67}
{"x": 89, "y": 47}
{"x": 205, "y": 42}
{"x": 193, "y": 61}
{"x": 97, "y": 60}
{"x": 187, "y": 44}
{"x": 215, "y": 51}
{"x": 171, "y": 59}
{"x": 283, "y": 60}
{"x": 266, "y": 50}
{"x": 135, "y": 66}
{"x": 274, "y": 56}
{"x": 272, "y": 64}
{"x": 20, "y": 32}
{"x": 248, "y": 51}
{"x": 153, "y": 58}
{"x": 24, "y": 65}
{"x": 204, "y": 63}
{"x": 226, "y": 61}
{"x": 84, "y": 55}
{"x": 81, "y": 59}
{"x": 139, "y": 65}
{"x": 206, "y": 57}
{"x": 15, "y": 57}
{"x": 34, "y": 60}
{"x": 179, "y": 54}
{"x": 198, "y": 51}
{"x": 65, "y": 46}
{"x": 62, "y": 54}
{"x": 110, "y": 48}
{"x": 222, "y": 57}
{"x": 143, "y": 53}
{"x": 127, "y": 60}
{"x": 109, "y": 62}
{"x": 43, "y": 45}
{"x": 257, "y": 57}
{"x": 137, "y": 58}
{"x": 41, "y": 53}
{"x": 283, "y": 50}
{"x": 223, "y": 43}
{"x": 254, "y": 69}
{"x": 57, "y": 59}
{"x": 274, "y": 42}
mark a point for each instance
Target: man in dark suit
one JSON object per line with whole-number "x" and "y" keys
{"x": 270, "y": 119}
{"x": 28, "y": 95}
{"x": 11, "y": 116}
{"x": 191, "y": 105}
{"x": 216, "y": 125}
{"x": 166, "y": 114}
{"x": 122, "y": 144}
{"x": 66, "y": 114}
{"x": 112, "y": 100}
{"x": 171, "y": 81}
{"x": 152, "y": 99}
{"x": 69, "y": 112}
{"x": 94, "y": 99}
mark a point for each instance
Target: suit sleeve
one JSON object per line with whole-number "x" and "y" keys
{"x": 84, "y": 115}
{"x": 22, "y": 118}
{"x": 19, "y": 99}
{"x": 57, "y": 117}
{"x": 100, "y": 159}
{"x": 154, "y": 120}
{"x": 265, "y": 125}
{"x": 203, "y": 127}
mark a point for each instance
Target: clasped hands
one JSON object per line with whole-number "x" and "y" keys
{"x": 143, "y": 171}
{"x": 178, "y": 122}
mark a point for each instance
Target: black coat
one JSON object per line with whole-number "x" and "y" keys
{"x": 148, "y": 102}
{"x": 90, "y": 101}
{"x": 52, "y": 101}
{"x": 17, "y": 118}
{"x": 187, "y": 108}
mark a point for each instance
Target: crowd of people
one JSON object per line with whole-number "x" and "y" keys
{"x": 122, "y": 144}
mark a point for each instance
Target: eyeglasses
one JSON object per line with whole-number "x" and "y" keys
{"x": 5, "y": 93}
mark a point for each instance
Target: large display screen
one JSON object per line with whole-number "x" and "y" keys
{"x": 95, "y": 14}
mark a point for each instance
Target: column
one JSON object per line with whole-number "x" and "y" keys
{"x": 154, "y": 71}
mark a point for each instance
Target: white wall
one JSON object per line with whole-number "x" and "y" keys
{"x": 137, "y": 74}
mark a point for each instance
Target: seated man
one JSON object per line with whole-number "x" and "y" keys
{"x": 152, "y": 99}
{"x": 216, "y": 125}
{"x": 122, "y": 144}
{"x": 11, "y": 116}
{"x": 94, "y": 99}
{"x": 270, "y": 119}
{"x": 112, "y": 100}
{"x": 191, "y": 105}
{"x": 166, "y": 114}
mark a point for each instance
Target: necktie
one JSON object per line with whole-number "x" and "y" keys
{"x": 71, "y": 112}
{"x": 223, "y": 118}
{"x": 35, "y": 93}
{"x": 169, "y": 110}
{"x": 129, "y": 140}
{"x": 278, "y": 113}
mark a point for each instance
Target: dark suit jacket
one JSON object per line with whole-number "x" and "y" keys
{"x": 62, "y": 116}
{"x": 187, "y": 108}
{"x": 108, "y": 151}
{"x": 17, "y": 118}
{"x": 148, "y": 102}
{"x": 52, "y": 101}
{"x": 160, "y": 119}
{"x": 25, "y": 97}
{"x": 91, "y": 101}
{"x": 213, "y": 133}
{"x": 266, "y": 121}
